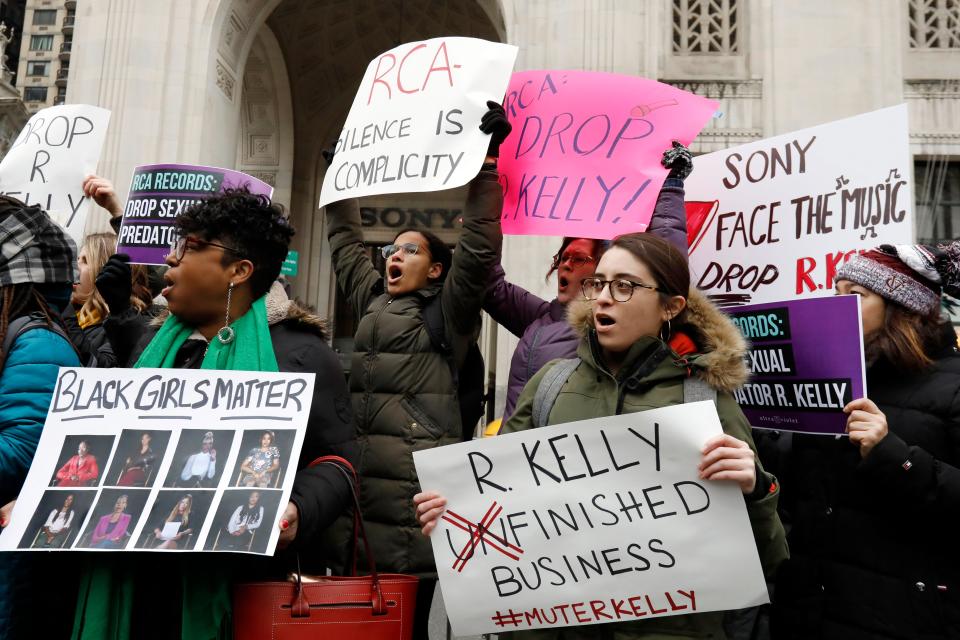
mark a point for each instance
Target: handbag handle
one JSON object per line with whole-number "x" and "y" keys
{"x": 300, "y": 608}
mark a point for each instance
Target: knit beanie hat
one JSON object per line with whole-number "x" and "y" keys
{"x": 914, "y": 276}
{"x": 33, "y": 248}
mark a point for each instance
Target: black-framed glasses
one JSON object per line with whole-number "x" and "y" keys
{"x": 621, "y": 290}
{"x": 576, "y": 260}
{"x": 180, "y": 246}
{"x": 408, "y": 248}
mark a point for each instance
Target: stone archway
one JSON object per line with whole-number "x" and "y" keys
{"x": 289, "y": 70}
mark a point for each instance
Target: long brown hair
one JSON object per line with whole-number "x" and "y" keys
{"x": 666, "y": 264}
{"x": 99, "y": 247}
{"x": 174, "y": 513}
{"x": 905, "y": 338}
{"x": 18, "y": 300}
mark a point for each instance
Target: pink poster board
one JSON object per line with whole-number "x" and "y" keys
{"x": 584, "y": 156}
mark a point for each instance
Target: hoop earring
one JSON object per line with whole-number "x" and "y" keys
{"x": 669, "y": 331}
{"x": 226, "y": 334}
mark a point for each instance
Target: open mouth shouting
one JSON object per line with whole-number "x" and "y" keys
{"x": 394, "y": 274}
{"x": 603, "y": 322}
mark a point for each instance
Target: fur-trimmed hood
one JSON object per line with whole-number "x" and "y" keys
{"x": 279, "y": 308}
{"x": 721, "y": 348}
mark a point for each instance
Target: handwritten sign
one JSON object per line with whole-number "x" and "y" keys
{"x": 806, "y": 363}
{"x": 414, "y": 122}
{"x": 791, "y": 210}
{"x": 47, "y": 163}
{"x": 584, "y": 156}
{"x": 159, "y": 193}
{"x": 597, "y": 521}
{"x": 163, "y": 460}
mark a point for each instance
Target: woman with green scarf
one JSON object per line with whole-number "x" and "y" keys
{"x": 225, "y": 312}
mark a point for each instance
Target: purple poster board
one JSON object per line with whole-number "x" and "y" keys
{"x": 806, "y": 363}
{"x": 159, "y": 192}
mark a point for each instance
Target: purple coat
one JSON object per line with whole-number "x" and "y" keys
{"x": 541, "y": 326}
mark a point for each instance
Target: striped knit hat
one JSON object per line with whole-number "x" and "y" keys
{"x": 914, "y": 276}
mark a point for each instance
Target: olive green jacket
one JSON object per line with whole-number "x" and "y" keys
{"x": 592, "y": 391}
{"x": 403, "y": 392}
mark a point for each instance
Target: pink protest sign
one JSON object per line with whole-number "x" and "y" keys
{"x": 584, "y": 156}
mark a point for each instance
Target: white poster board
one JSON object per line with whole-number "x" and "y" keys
{"x": 590, "y": 522}
{"x": 134, "y": 458}
{"x": 773, "y": 220}
{"x": 414, "y": 122}
{"x": 47, "y": 163}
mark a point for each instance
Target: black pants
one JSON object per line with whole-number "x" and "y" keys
{"x": 421, "y": 617}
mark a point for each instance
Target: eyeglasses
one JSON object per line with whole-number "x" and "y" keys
{"x": 575, "y": 260}
{"x": 180, "y": 246}
{"x": 621, "y": 290}
{"x": 408, "y": 248}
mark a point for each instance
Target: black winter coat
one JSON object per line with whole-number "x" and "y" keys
{"x": 874, "y": 542}
{"x": 321, "y": 493}
{"x": 91, "y": 341}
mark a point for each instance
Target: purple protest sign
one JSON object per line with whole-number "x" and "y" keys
{"x": 159, "y": 192}
{"x": 806, "y": 363}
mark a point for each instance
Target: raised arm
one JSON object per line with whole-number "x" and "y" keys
{"x": 669, "y": 221}
{"x": 511, "y": 305}
{"x": 356, "y": 275}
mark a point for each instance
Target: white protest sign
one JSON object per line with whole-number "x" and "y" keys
{"x": 414, "y": 122}
{"x": 773, "y": 220}
{"x": 596, "y": 521}
{"x": 46, "y": 165}
{"x": 163, "y": 460}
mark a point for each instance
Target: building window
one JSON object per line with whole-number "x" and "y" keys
{"x": 934, "y": 24}
{"x": 41, "y": 43}
{"x": 37, "y": 68}
{"x": 35, "y": 94}
{"x": 937, "y": 184}
{"x": 45, "y": 16}
{"x": 706, "y": 27}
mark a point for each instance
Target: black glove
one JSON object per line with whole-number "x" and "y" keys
{"x": 679, "y": 160}
{"x": 115, "y": 283}
{"x": 329, "y": 152}
{"x": 495, "y": 123}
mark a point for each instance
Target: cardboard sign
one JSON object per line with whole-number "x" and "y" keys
{"x": 583, "y": 159}
{"x": 163, "y": 460}
{"x": 159, "y": 193}
{"x": 47, "y": 163}
{"x": 414, "y": 122}
{"x": 596, "y": 521}
{"x": 806, "y": 363}
{"x": 774, "y": 220}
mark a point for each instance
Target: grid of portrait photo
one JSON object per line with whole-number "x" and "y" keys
{"x": 164, "y": 490}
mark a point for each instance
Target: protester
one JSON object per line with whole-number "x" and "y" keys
{"x": 541, "y": 326}
{"x": 645, "y": 331}
{"x": 84, "y": 316}
{"x": 404, "y": 393}
{"x": 225, "y": 312}
{"x": 37, "y": 269}
{"x": 873, "y": 517}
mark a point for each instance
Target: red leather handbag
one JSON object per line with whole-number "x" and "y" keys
{"x": 378, "y": 606}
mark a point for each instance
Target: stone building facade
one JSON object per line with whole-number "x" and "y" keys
{"x": 264, "y": 85}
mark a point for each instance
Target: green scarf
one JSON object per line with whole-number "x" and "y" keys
{"x": 107, "y": 588}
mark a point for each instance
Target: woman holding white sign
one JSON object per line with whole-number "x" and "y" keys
{"x": 644, "y": 332}
{"x": 874, "y": 517}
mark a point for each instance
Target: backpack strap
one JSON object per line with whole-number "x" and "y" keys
{"x": 696, "y": 390}
{"x": 549, "y": 389}
{"x": 433, "y": 319}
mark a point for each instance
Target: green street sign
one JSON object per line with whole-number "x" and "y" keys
{"x": 289, "y": 267}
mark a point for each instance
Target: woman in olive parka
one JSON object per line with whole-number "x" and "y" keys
{"x": 644, "y": 330}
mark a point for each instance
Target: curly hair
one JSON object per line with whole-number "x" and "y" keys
{"x": 255, "y": 228}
